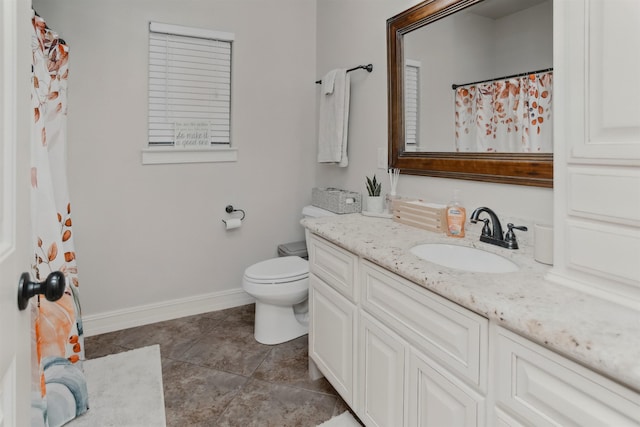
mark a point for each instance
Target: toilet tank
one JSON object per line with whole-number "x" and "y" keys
{"x": 315, "y": 212}
{"x": 300, "y": 248}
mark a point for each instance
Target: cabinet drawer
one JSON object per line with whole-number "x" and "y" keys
{"x": 334, "y": 265}
{"x": 451, "y": 335}
{"x": 544, "y": 389}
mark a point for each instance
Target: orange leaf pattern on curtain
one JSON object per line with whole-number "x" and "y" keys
{"x": 58, "y": 339}
{"x": 512, "y": 115}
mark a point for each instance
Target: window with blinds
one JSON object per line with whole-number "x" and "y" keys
{"x": 189, "y": 87}
{"x": 411, "y": 104}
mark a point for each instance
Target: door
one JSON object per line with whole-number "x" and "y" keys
{"x": 15, "y": 355}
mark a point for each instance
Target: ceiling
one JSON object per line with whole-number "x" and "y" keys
{"x": 496, "y": 9}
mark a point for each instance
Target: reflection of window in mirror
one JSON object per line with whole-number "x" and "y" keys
{"x": 412, "y": 104}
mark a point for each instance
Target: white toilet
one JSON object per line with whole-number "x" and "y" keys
{"x": 281, "y": 288}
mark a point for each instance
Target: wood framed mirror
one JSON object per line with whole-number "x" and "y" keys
{"x": 530, "y": 169}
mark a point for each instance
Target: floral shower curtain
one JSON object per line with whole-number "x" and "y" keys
{"x": 59, "y": 391}
{"x": 512, "y": 115}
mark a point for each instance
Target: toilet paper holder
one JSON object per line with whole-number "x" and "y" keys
{"x": 230, "y": 209}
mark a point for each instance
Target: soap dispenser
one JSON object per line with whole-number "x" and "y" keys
{"x": 456, "y": 216}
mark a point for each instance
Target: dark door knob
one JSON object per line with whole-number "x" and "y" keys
{"x": 52, "y": 288}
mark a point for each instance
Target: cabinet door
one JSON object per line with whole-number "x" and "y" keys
{"x": 437, "y": 398}
{"x": 382, "y": 374}
{"x": 597, "y": 136}
{"x": 332, "y": 324}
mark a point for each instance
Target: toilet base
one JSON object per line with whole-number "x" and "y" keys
{"x": 277, "y": 324}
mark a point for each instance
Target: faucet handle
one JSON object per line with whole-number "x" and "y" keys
{"x": 517, "y": 227}
{"x": 510, "y": 237}
{"x": 486, "y": 230}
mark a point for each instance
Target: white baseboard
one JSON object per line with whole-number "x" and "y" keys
{"x": 95, "y": 324}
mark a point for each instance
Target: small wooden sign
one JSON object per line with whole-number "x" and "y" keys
{"x": 191, "y": 135}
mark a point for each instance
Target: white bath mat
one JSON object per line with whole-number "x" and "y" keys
{"x": 343, "y": 420}
{"x": 125, "y": 390}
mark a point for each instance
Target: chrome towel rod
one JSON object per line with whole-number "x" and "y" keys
{"x": 368, "y": 67}
{"x": 455, "y": 86}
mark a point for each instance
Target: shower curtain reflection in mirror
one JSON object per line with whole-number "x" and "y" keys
{"x": 512, "y": 115}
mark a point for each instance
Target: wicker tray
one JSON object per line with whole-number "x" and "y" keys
{"x": 336, "y": 200}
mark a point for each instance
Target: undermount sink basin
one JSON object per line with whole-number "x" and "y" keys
{"x": 464, "y": 258}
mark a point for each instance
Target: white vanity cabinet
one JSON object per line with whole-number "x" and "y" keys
{"x": 397, "y": 354}
{"x": 403, "y": 356}
{"x": 541, "y": 388}
{"x": 401, "y": 386}
{"x": 422, "y": 358}
{"x": 333, "y": 314}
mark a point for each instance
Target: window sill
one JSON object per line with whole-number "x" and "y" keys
{"x": 167, "y": 155}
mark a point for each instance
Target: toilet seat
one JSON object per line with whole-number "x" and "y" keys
{"x": 278, "y": 270}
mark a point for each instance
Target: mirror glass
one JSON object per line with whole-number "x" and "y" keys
{"x": 496, "y": 125}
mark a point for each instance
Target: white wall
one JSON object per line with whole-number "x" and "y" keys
{"x": 524, "y": 40}
{"x": 352, "y": 32}
{"x": 153, "y": 234}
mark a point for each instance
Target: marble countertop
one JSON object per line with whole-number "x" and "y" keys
{"x": 598, "y": 334}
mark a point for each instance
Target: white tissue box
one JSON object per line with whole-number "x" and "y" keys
{"x": 336, "y": 200}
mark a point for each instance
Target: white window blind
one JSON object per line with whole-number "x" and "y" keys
{"x": 189, "y": 84}
{"x": 411, "y": 103}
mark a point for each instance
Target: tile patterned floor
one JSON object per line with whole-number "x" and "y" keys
{"x": 216, "y": 374}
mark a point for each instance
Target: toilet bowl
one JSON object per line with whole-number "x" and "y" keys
{"x": 281, "y": 288}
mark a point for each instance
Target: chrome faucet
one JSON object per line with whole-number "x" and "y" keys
{"x": 494, "y": 235}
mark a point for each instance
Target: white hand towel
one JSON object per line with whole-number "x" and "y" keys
{"x": 334, "y": 118}
{"x": 328, "y": 82}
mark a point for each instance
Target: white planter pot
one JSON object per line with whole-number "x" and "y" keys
{"x": 375, "y": 204}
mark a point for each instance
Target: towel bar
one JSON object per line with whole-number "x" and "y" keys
{"x": 368, "y": 67}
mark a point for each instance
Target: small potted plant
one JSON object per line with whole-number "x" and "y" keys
{"x": 375, "y": 202}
